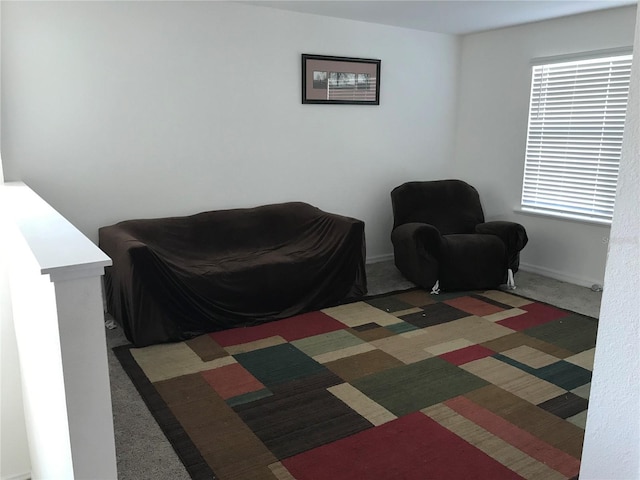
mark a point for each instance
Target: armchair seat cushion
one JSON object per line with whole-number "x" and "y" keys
{"x": 471, "y": 261}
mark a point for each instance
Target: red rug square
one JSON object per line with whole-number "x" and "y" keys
{"x": 473, "y": 306}
{"x": 467, "y": 354}
{"x": 293, "y": 328}
{"x": 232, "y": 380}
{"x": 366, "y": 455}
{"x": 537, "y": 314}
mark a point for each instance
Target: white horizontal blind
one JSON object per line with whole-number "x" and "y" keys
{"x": 574, "y": 139}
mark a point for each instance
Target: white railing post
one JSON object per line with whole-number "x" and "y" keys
{"x": 56, "y": 297}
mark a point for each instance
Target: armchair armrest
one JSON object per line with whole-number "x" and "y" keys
{"x": 512, "y": 234}
{"x": 425, "y": 238}
{"x": 416, "y": 248}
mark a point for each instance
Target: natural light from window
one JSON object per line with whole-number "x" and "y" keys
{"x": 574, "y": 138}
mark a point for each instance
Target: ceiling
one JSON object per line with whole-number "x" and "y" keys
{"x": 453, "y": 16}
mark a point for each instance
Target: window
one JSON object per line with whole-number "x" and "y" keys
{"x": 574, "y": 139}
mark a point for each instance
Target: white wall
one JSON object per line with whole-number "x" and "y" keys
{"x": 491, "y": 131}
{"x": 117, "y": 110}
{"x": 612, "y": 440}
{"x": 14, "y": 452}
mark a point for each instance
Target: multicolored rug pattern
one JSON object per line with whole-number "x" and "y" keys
{"x": 483, "y": 385}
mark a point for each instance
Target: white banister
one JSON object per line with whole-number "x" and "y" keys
{"x": 56, "y": 296}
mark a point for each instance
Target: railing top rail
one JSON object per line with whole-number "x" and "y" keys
{"x": 61, "y": 250}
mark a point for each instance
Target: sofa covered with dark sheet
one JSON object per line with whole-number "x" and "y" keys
{"x": 175, "y": 278}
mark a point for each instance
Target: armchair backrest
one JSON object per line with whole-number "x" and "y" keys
{"x": 452, "y": 206}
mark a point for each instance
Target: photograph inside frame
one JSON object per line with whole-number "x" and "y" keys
{"x": 341, "y": 81}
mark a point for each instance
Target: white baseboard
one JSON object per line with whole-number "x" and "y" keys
{"x": 563, "y": 277}
{"x": 547, "y": 272}
{"x": 20, "y": 476}
{"x": 380, "y": 258}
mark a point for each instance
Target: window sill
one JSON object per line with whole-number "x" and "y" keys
{"x": 561, "y": 216}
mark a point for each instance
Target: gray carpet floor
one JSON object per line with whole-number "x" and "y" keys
{"x": 142, "y": 450}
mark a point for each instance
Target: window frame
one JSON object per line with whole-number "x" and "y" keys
{"x": 538, "y": 170}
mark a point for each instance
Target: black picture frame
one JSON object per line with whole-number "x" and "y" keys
{"x": 340, "y": 80}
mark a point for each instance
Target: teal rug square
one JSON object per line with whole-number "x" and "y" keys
{"x": 279, "y": 364}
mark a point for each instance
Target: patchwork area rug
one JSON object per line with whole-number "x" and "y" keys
{"x": 483, "y": 385}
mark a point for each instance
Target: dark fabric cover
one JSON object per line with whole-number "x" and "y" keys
{"x": 174, "y": 278}
{"x": 439, "y": 233}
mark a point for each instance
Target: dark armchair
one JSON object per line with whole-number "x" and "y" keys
{"x": 440, "y": 238}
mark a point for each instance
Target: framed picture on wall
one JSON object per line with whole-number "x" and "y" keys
{"x": 340, "y": 80}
